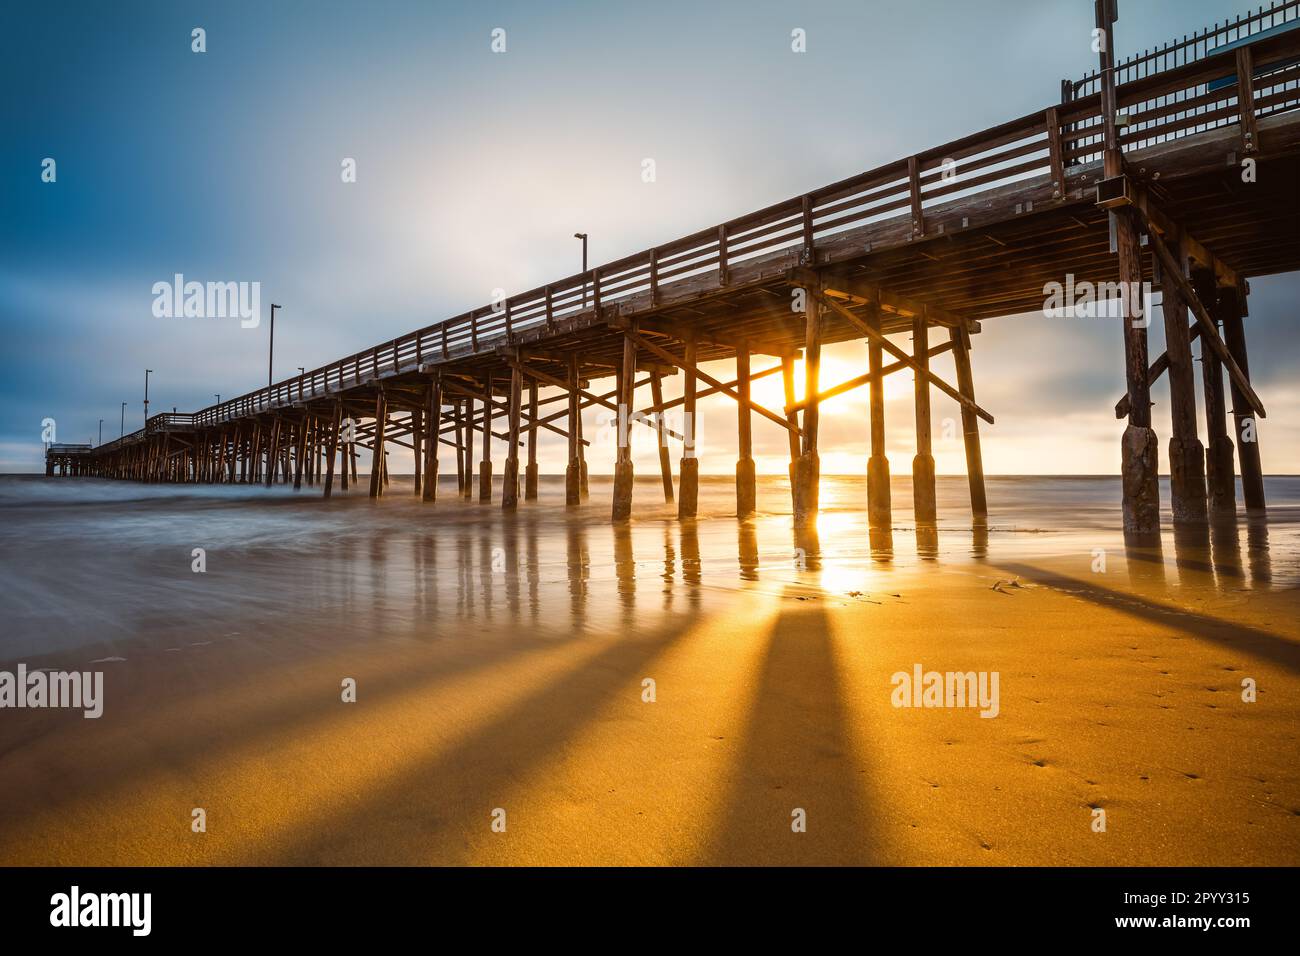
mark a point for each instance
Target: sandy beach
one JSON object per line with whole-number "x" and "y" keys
{"x": 514, "y": 681}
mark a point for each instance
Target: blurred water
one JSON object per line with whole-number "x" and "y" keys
{"x": 94, "y": 563}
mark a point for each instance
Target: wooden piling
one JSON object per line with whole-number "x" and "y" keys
{"x": 510, "y": 477}
{"x": 665, "y": 460}
{"x": 924, "y": 507}
{"x": 879, "y": 498}
{"x": 468, "y": 490}
{"x": 688, "y": 483}
{"x": 530, "y": 470}
{"x": 377, "y": 446}
{"x": 1231, "y": 311}
{"x": 573, "y": 471}
{"x": 417, "y": 450}
{"x": 970, "y": 425}
{"x": 623, "y": 478}
{"x": 787, "y": 380}
{"x": 331, "y": 451}
{"x": 433, "y": 428}
{"x": 1220, "y": 485}
{"x": 808, "y": 466}
{"x": 272, "y": 450}
{"x": 746, "y": 480}
{"x": 299, "y": 453}
{"x": 485, "y": 466}
{"x": 1186, "y": 454}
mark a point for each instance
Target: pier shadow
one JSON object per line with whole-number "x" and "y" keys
{"x": 797, "y": 754}
{"x": 423, "y": 812}
{"x": 1275, "y": 648}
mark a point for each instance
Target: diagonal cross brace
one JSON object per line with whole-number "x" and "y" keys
{"x": 899, "y": 354}
{"x": 667, "y": 356}
{"x": 1173, "y": 271}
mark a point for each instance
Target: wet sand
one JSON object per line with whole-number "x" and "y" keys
{"x": 499, "y": 664}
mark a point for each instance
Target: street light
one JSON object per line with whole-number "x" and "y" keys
{"x": 101, "y": 432}
{"x": 123, "y": 435}
{"x": 583, "y": 237}
{"x": 146, "y": 396}
{"x": 270, "y": 355}
{"x": 217, "y": 396}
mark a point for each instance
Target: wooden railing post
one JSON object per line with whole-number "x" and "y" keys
{"x": 722, "y": 255}
{"x": 1054, "y": 152}
{"x": 914, "y": 188}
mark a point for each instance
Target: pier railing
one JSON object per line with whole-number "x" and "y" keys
{"x": 1171, "y": 93}
{"x": 1276, "y": 16}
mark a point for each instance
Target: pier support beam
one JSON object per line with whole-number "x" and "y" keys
{"x": 1232, "y": 303}
{"x": 417, "y": 451}
{"x": 1220, "y": 484}
{"x": 299, "y": 453}
{"x": 530, "y": 472}
{"x": 510, "y": 477}
{"x": 273, "y": 450}
{"x": 970, "y": 425}
{"x": 573, "y": 472}
{"x": 1139, "y": 448}
{"x": 332, "y": 447}
{"x": 807, "y": 467}
{"x": 1186, "y": 454}
{"x": 879, "y": 499}
{"x": 665, "y": 462}
{"x": 791, "y": 416}
{"x": 433, "y": 426}
{"x": 923, "y": 496}
{"x": 377, "y": 446}
{"x": 584, "y": 486}
{"x": 746, "y": 481}
{"x": 623, "y": 479}
{"x": 468, "y": 423}
{"x": 485, "y": 466}
{"x": 688, "y": 496}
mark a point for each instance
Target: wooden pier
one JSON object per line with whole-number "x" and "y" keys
{"x": 1179, "y": 167}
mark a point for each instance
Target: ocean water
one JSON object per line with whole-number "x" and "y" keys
{"x": 109, "y": 567}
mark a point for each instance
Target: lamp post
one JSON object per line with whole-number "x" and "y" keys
{"x": 101, "y": 433}
{"x": 583, "y": 237}
{"x": 270, "y": 355}
{"x": 123, "y": 435}
{"x": 217, "y": 396}
{"x": 146, "y": 396}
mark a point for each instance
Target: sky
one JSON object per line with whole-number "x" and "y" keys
{"x": 475, "y": 168}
